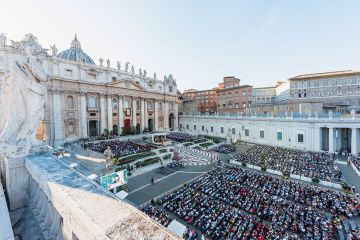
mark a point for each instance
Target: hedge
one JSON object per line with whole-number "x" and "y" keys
{"x": 188, "y": 144}
{"x": 167, "y": 156}
{"x": 206, "y": 144}
{"x": 147, "y": 162}
{"x": 201, "y": 140}
{"x": 163, "y": 150}
{"x": 135, "y": 157}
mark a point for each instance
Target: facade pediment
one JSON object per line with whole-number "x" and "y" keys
{"x": 126, "y": 83}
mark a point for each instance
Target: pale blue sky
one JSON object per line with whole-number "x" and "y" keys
{"x": 200, "y": 41}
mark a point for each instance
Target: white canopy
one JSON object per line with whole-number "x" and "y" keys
{"x": 177, "y": 228}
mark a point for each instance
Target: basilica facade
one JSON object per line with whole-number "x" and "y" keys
{"x": 84, "y": 99}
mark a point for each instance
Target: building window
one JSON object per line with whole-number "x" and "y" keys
{"x": 68, "y": 72}
{"x": 92, "y": 102}
{"x": 194, "y": 127}
{"x": 70, "y": 102}
{"x": 202, "y": 128}
{"x": 180, "y": 126}
{"x": 92, "y": 76}
{"x": 114, "y": 104}
{"x": 279, "y": 136}
{"x": 222, "y": 129}
{"x": 247, "y": 132}
{"x": 211, "y": 129}
{"x": 233, "y": 130}
{"x": 262, "y": 133}
{"x": 187, "y": 126}
{"x": 300, "y": 138}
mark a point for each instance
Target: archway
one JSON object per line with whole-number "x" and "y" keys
{"x": 115, "y": 130}
{"x": 171, "y": 121}
{"x": 150, "y": 125}
{"x": 93, "y": 128}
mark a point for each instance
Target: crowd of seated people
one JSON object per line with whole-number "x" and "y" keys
{"x": 181, "y": 137}
{"x": 356, "y": 161}
{"x": 224, "y": 148}
{"x": 158, "y": 215}
{"x": 120, "y": 148}
{"x": 242, "y": 204}
{"x": 311, "y": 164}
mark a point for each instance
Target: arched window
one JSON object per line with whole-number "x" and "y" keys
{"x": 70, "y": 102}
{"x": 92, "y": 102}
{"x": 114, "y": 104}
{"x": 126, "y": 103}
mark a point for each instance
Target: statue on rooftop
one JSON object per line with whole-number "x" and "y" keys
{"x": 2, "y": 40}
{"x": 118, "y": 65}
{"x": 127, "y": 66}
{"x": 108, "y": 63}
{"x": 101, "y": 61}
{"x": 54, "y": 50}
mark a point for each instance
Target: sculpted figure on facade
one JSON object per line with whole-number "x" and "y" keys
{"x": 140, "y": 72}
{"x": 127, "y": 66}
{"x": 155, "y": 75}
{"x": 101, "y": 61}
{"x": 2, "y": 40}
{"x": 108, "y": 63}
{"x": 132, "y": 69}
{"x": 22, "y": 99}
{"x": 145, "y": 73}
{"x": 54, "y": 50}
{"x": 118, "y": 64}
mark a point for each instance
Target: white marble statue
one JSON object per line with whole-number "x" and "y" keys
{"x": 132, "y": 69}
{"x": 118, "y": 64}
{"x": 2, "y": 40}
{"x": 127, "y": 66}
{"x": 145, "y": 73}
{"x": 140, "y": 72}
{"x": 54, "y": 50}
{"x": 22, "y": 99}
{"x": 165, "y": 79}
{"x": 155, "y": 75}
{"x": 108, "y": 63}
{"x": 101, "y": 61}
{"x": 109, "y": 157}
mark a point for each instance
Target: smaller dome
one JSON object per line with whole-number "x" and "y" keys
{"x": 75, "y": 53}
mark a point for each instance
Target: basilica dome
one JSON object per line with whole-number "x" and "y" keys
{"x": 75, "y": 53}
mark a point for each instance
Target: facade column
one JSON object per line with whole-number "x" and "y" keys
{"x": 317, "y": 137}
{"x": 354, "y": 141}
{"x": 102, "y": 114}
{"x": 83, "y": 116}
{"x": 156, "y": 116}
{"x": 109, "y": 113}
{"x": 166, "y": 116}
{"x": 133, "y": 113}
{"x": 142, "y": 115}
{"x": 121, "y": 116}
{"x": 58, "y": 119}
{"x": 176, "y": 116}
{"x": 331, "y": 140}
{"x": 146, "y": 114}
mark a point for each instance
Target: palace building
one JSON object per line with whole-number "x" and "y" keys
{"x": 84, "y": 99}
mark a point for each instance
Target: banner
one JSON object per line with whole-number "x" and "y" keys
{"x": 114, "y": 180}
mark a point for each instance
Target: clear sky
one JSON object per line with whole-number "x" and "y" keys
{"x": 199, "y": 41}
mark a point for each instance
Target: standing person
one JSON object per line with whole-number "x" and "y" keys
{"x": 152, "y": 180}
